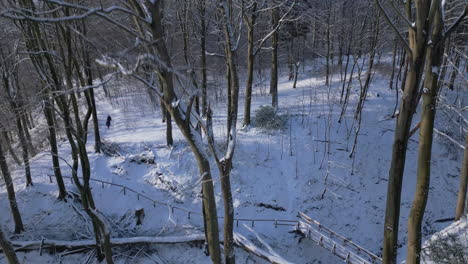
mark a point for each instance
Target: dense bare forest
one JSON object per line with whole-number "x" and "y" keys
{"x": 196, "y": 131}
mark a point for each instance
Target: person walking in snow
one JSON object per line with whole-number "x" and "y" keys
{"x": 108, "y": 122}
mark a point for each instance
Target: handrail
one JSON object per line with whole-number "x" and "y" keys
{"x": 345, "y": 241}
{"x": 277, "y": 222}
{"x": 349, "y": 251}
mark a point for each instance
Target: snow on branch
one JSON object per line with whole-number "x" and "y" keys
{"x": 24, "y": 14}
{"x": 268, "y": 36}
{"x": 449, "y": 138}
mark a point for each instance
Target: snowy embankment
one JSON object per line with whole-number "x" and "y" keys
{"x": 305, "y": 168}
{"x": 448, "y": 246}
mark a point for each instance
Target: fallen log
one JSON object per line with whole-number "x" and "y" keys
{"x": 62, "y": 245}
{"x": 73, "y": 245}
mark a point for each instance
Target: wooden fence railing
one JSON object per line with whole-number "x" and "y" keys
{"x": 325, "y": 237}
{"x": 338, "y": 245}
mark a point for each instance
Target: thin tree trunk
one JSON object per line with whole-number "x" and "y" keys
{"x": 10, "y": 147}
{"x": 229, "y": 98}
{"x": 203, "y": 56}
{"x": 274, "y": 58}
{"x": 49, "y": 112}
{"x": 7, "y": 248}
{"x": 97, "y": 133}
{"x": 296, "y": 73}
{"x": 426, "y": 130}
{"x": 29, "y": 142}
{"x": 225, "y": 165}
{"x": 348, "y": 89}
{"x": 327, "y": 77}
{"x": 348, "y": 55}
{"x": 26, "y": 121}
{"x": 461, "y": 201}
{"x": 392, "y": 75}
{"x": 365, "y": 87}
{"x": 11, "y": 193}
{"x": 169, "y": 96}
{"x": 290, "y": 59}
{"x": 89, "y": 75}
{"x": 417, "y": 44}
{"x": 453, "y": 76}
{"x": 445, "y": 64}
{"x": 25, "y": 153}
{"x": 250, "y": 65}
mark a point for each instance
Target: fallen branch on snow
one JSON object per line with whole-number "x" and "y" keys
{"x": 241, "y": 241}
{"x": 71, "y": 245}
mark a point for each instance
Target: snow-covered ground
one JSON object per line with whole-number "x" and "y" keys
{"x": 305, "y": 168}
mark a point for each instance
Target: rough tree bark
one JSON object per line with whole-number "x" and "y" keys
{"x": 225, "y": 164}
{"x": 430, "y": 91}
{"x": 11, "y": 193}
{"x": 416, "y": 49}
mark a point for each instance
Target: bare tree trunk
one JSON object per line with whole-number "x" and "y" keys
{"x": 29, "y": 141}
{"x": 89, "y": 82}
{"x": 99, "y": 226}
{"x": 290, "y": 59}
{"x": 327, "y": 77}
{"x": 27, "y": 120}
{"x": 48, "y": 113}
{"x": 10, "y": 147}
{"x": 445, "y": 64}
{"x": 25, "y": 153}
{"x": 225, "y": 165}
{"x": 97, "y": 134}
{"x": 209, "y": 203}
{"x": 250, "y": 64}
{"x": 392, "y": 75}
{"x": 274, "y": 58}
{"x": 229, "y": 97}
{"x": 203, "y": 56}
{"x": 11, "y": 193}
{"x": 433, "y": 61}
{"x": 365, "y": 87}
{"x": 296, "y": 73}
{"x": 8, "y": 248}
{"x": 461, "y": 201}
{"x": 417, "y": 46}
{"x": 348, "y": 54}
{"x": 453, "y": 76}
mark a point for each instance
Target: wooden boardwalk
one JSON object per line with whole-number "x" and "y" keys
{"x": 338, "y": 245}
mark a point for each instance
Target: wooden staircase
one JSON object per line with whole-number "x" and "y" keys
{"x": 338, "y": 245}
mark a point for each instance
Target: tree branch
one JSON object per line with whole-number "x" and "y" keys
{"x": 400, "y": 37}
{"x": 456, "y": 23}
